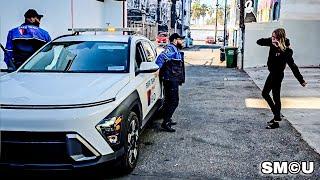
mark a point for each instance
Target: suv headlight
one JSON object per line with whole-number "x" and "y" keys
{"x": 110, "y": 129}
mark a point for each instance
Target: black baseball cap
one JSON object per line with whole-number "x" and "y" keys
{"x": 175, "y": 36}
{"x": 32, "y": 13}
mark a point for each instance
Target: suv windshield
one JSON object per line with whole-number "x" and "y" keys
{"x": 89, "y": 56}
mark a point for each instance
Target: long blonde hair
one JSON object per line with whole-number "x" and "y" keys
{"x": 281, "y": 37}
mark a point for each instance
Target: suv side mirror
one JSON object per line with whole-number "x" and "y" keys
{"x": 148, "y": 67}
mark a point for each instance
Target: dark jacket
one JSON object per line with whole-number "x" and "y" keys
{"x": 23, "y": 41}
{"x": 278, "y": 59}
{"x": 171, "y": 63}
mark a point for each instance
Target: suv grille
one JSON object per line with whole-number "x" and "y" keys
{"x": 18, "y": 147}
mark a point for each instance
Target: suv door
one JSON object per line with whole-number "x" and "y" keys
{"x": 155, "y": 89}
{"x": 148, "y": 83}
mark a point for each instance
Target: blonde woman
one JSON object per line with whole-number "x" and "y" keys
{"x": 279, "y": 55}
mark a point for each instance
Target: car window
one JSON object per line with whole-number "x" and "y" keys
{"x": 139, "y": 58}
{"x": 90, "y": 56}
{"x": 150, "y": 53}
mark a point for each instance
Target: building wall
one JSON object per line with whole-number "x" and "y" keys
{"x": 301, "y": 19}
{"x": 187, "y": 16}
{"x": 303, "y": 36}
{"x": 12, "y": 15}
{"x": 300, "y": 9}
{"x": 253, "y": 54}
{"x": 57, "y": 15}
{"x": 113, "y": 12}
{"x": 89, "y": 13}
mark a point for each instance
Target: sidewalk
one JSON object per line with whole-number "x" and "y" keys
{"x": 204, "y": 57}
{"x": 300, "y": 106}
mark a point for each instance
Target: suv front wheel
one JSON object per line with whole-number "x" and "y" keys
{"x": 131, "y": 146}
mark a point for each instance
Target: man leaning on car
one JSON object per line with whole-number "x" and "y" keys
{"x": 172, "y": 73}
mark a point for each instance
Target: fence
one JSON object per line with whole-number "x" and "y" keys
{"x": 149, "y": 30}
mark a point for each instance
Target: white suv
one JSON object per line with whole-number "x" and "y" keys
{"x": 80, "y": 101}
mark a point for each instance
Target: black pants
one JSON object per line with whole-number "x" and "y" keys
{"x": 273, "y": 83}
{"x": 171, "y": 99}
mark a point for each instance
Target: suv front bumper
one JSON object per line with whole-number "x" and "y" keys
{"x": 49, "y": 151}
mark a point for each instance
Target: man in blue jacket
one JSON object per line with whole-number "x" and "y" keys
{"x": 25, "y": 40}
{"x": 172, "y": 73}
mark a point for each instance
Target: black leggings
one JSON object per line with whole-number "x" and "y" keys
{"x": 273, "y": 83}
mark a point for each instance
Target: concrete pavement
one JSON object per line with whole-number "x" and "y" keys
{"x": 218, "y": 136}
{"x": 300, "y": 106}
{"x": 221, "y": 130}
{"x": 204, "y": 55}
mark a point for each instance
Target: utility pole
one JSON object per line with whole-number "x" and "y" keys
{"x": 216, "y": 31}
{"x": 143, "y": 22}
{"x": 173, "y": 15}
{"x": 225, "y": 23}
{"x": 242, "y": 28}
{"x": 182, "y": 18}
{"x": 169, "y": 18}
{"x": 158, "y": 16}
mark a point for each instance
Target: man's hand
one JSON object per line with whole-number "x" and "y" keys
{"x": 304, "y": 84}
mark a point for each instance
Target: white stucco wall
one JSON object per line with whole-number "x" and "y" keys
{"x": 88, "y": 13}
{"x": 303, "y": 35}
{"x": 114, "y": 13}
{"x": 301, "y": 19}
{"x": 255, "y": 55}
{"x": 57, "y": 15}
{"x": 305, "y": 39}
{"x": 300, "y": 9}
{"x": 12, "y": 11}
{"x": 56, "y": 20}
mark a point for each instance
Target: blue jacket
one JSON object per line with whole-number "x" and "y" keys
{"x": 171, "y": 63}
{"x": 23, "y": 41}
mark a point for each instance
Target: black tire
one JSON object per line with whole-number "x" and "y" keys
{"x": 131, "y": 144}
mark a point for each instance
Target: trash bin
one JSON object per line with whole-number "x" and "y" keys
{"x": 231, "y": 54}
{"x": 222, "y": 54}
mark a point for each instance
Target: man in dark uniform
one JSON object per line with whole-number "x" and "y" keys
{"x": 172, "y": 74}
{"x": 25, "y": 40}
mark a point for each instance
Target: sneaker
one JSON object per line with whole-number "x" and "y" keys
{"x": 172, "y": 123}
{"x": 278, "y": 119}
{"x": 271, "y": 122}
{"x": 167, "y": 127}
{"x": 273, "y": 126}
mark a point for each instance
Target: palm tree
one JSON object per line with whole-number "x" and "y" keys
{"x": 203, "y": 11}
{"x": 210, "y": 11}
{"x": 196, "y": 11}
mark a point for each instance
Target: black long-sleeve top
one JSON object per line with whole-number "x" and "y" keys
{"x": 278, "y": 59}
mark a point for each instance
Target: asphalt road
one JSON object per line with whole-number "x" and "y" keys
{"x": 217, "y": 135}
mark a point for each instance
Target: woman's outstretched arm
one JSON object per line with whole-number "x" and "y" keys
{"x": 294, "y": 68}
{"x": 264, "y": 42}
